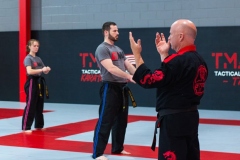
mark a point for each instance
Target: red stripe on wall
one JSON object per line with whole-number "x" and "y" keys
{"x": 24, "y": 36}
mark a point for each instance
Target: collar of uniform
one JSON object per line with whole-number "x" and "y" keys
{"x": 180, "y": 52}
{"x": 187, "y": 49}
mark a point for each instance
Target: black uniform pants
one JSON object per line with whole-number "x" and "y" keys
{"x": 178, "y": 139}
{"x": 34, "y": 103}
{"x": 113, "y": 115}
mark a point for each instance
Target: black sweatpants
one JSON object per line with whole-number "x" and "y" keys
{"x": 113, "y": 115}
{"x": 34, "y": 103}
{"x": 178, "y": 139}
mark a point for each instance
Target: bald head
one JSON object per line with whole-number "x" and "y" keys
{"x": 183, "y": 33}
{"x": 186, "y": 26}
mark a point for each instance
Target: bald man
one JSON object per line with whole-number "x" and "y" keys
{"x": 180, "y": 83}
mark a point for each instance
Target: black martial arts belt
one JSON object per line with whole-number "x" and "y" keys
{"x": 124, "y": 88}
{"x": 42, "y": 79}
{"x": 157, "y": 125}
{"x": 160, "y": 116}
{"x": 134, "y": 104}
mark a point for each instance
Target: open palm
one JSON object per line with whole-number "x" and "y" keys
{"x": 161, "y": 44}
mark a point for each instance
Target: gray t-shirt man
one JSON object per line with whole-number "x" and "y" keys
{"x": 116, "y": 54}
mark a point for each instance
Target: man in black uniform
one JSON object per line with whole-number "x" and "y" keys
{"x": 113, "y": 109}
{"x": 180, "y": 83}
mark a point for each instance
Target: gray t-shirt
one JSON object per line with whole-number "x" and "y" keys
{"x": 34, "y": 62}
{"x": 116, "y": 54}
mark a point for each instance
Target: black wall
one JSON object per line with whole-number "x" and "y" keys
{"x": 69, "y": 52}
{"x": 9, "y": 66}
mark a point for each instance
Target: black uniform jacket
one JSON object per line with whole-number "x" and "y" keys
{"x": 180, "y": 80}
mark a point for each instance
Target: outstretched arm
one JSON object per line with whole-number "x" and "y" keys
{"x": 130, "y": 68}
{"x": 107, "y": 63}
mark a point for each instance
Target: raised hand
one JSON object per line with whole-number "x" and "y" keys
{"x": 136, "y": 47}
{"x": 161, "y": 44}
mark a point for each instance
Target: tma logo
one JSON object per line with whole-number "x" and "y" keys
{"x": 90, "y": 70}
{"x": 227, "y": 65}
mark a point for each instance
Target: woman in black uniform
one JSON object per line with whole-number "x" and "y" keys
{"x": 34, "y": 88}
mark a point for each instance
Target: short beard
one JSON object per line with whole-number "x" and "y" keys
{"x": 110, "y": 37}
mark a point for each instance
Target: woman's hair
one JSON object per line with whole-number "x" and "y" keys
{"x": 30, "y": 42}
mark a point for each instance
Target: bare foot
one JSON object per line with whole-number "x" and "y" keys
{"x": 101, "y": 158}
{"x": 27, "y": 131}
{"x": 40, "y": 129}
{"x": 125, "y": 152}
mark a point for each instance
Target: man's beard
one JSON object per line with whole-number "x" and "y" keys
{"x": 110, "y": 37}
